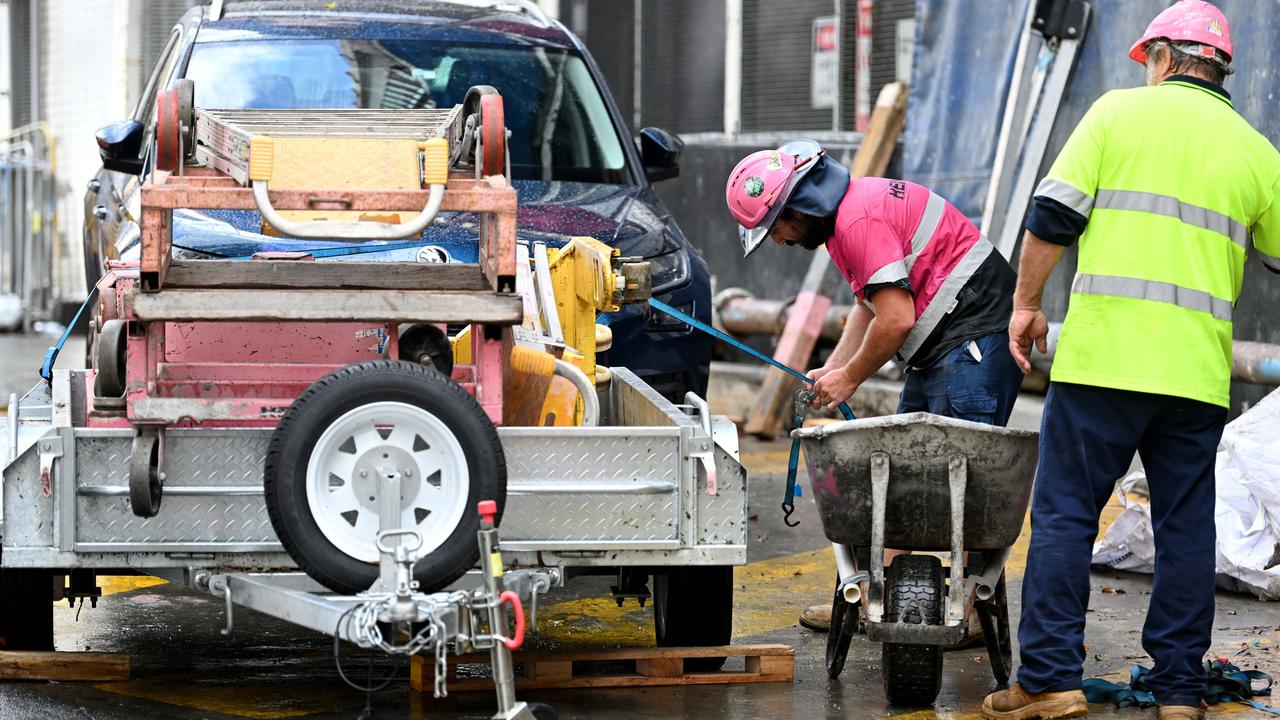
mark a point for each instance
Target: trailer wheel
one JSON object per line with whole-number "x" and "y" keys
{"x": 915, "y": 590}
{"x": 321, "y": 472}
{"x": 26, "y": 609}
{"x": 693, "y": 607}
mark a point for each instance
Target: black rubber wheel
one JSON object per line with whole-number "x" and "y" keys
{"x": 844, "y": 625}
{"x": 693, "y": 607}
{"x": 26, "y": 609}
{"x": 915, "y": 590}
{"x": 347, "y": 390}
{"x": 543, "y": 711}
{"x": 110, "y": 360}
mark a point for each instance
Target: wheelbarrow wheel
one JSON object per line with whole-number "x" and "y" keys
{"x": 844, "y": 625}
{"x": 321, "y": 479}
{"x": 693, "y": 607}
{"x": 915, "y": 589}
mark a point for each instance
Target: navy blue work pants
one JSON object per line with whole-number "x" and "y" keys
{"x": 979, "y": 384}
{"x": 1087, "y": 440}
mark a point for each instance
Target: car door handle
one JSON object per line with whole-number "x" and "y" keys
{"x": 100, "y": 212}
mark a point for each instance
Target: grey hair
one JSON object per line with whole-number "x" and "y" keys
{"x": 1215, "y": 69}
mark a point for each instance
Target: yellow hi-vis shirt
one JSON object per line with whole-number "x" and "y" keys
{"x": 1173, "y": 183}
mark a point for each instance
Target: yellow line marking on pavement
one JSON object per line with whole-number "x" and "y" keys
{"x": 116, "y": 584}
{"x": 260, "y": 701}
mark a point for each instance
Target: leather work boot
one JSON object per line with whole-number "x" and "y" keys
{"x": 1018, "y": 704}
{"x": 816, "y": 618}
{"x": 1179, "y": 712}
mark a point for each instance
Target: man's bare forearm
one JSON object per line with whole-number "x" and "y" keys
{"x": 882, "y": 341}
{"x": 1036, "y": 262}
{"x": 855, "y": 329}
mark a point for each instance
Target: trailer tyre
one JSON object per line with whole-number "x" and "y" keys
{"x": 26, "y": 609}
{"x": 915, "y": 589}
{"x": 323, "y": 462}
{"x": 693, "y": 607}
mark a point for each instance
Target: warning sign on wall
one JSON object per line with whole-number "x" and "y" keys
{"x": 825, "y": 73}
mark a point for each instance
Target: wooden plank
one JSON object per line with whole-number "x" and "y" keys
{"x": 667, "y": 667}
{"x": 772, "y": 665}
{"x": 549, "y": 670}
{"x": 299, "y": 274}
{"x": 796, "y": 343}
{"x": 618, "y": 681}
{"x": 364, "y": 306}
{"x": 86, "y": 666}
{"x": 654, "y": 667}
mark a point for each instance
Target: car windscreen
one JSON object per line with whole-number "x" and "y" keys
{"x": 559, "y": 123}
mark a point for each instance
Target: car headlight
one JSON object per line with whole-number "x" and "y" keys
{"x": 669, "y": 270}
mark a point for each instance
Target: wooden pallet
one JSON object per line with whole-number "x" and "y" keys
{"x": 652, "y": 667}
{"x": 83, "y": 666}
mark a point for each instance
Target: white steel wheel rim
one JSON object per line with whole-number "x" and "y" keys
{"x": 342, "y": 477}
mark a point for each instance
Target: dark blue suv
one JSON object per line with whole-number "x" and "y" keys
{"x": 572, "y": 161}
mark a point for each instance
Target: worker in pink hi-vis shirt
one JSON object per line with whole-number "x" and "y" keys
{"x": 931, "y": 290}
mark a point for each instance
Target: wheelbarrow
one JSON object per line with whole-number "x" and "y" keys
{"x": 928, "y": 484}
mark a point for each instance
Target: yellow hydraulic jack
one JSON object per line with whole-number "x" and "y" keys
{"x": 552, "y": 375}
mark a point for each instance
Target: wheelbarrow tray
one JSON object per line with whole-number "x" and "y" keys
{"x": 1000, "y": 461}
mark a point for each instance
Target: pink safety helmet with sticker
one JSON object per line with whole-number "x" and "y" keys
{"x": 761, "y": 184}
{"x": 1193, "y": 22}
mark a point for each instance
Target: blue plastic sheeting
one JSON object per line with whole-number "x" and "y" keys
{"x": 964, "y": 60}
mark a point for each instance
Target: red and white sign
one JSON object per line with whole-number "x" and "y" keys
{"x": 825, "y": 73}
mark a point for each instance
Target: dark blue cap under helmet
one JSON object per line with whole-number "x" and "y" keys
{"x": 821, "y": 190}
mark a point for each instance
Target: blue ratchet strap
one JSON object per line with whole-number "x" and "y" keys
{"x": 51, "y": 355}
{"x": 1226, "y": 683}
{"x": 699, "y": 325}
{"x": 803, "y": 397}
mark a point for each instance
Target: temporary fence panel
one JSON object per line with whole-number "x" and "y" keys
{"x": 27, "y": 225}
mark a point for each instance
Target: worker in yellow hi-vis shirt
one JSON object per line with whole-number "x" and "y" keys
{"x": 1163, "y": 185}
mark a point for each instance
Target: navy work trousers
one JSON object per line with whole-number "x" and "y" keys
{"x": 977, "y": 382}
{"x": 1087, "y": 440}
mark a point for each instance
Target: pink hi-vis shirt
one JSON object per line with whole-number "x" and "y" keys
{"x": 893, "y": 232}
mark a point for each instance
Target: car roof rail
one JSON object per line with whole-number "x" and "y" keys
{"x": 525, "y": 7}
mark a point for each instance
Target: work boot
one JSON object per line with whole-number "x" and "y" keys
{"x": 1018, "y": 704}
{"x": 816, "y": 618}
{"x": 1179, "y": 712}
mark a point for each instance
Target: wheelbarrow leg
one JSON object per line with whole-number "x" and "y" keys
{"x": 879, "y": 500}
{"x": 844, "y": 623}
{"x": 958, "y": 479}
{"x": 994, "y": 616}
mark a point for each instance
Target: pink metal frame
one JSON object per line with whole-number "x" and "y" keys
{"x": 247, "y": 374}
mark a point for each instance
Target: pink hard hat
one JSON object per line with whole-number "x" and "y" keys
{"x": 760, "y": 185}
{"x": 1190, "y": 22}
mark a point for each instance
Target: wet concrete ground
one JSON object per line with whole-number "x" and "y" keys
{"x": 184, "y": 669}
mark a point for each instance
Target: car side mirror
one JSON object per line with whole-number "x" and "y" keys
{"x": 120, "y": 145}
{"x": 660, "y": 152}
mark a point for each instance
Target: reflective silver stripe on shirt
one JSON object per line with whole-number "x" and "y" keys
{"x": 1270, "y": 261}
{"x": 928, "y": 225}
{"x": 1065, "y": 194}
{"x": 893, "y": 272}
{"x": 942, "y": 303}
{"x": 1171, "y": 206}
{"x": 1125, "y": 287}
